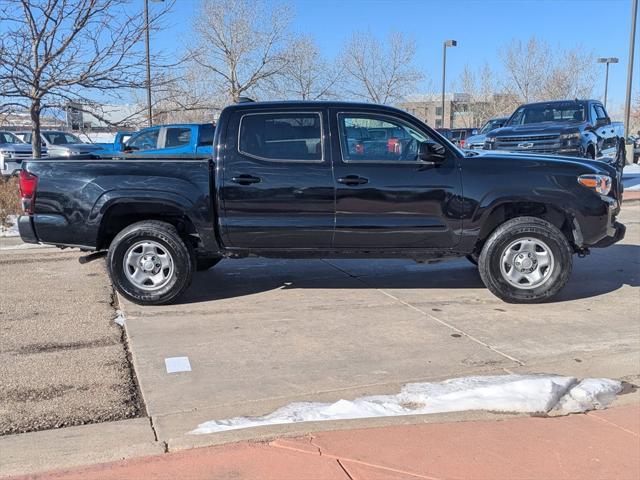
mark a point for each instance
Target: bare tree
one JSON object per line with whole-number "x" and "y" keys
{"x": 485, "y": 101}
{"x": 241, "y": 44}
{"x": 380, "y": 72}
{"x": 527, "y": 67}
{"x": 535, "y": 72}
{"x": 58, "y": 51}
{"x": 306, "y": 75}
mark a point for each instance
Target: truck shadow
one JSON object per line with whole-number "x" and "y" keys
{"x": 600, "y": 273}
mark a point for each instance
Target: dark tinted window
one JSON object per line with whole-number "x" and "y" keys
{"x": 6, "y": 137}
{"x": 177, "y": 137}
{"x": 548, "y": 112}
{"x": 61, "y": 138}
{"x": 282, "y": 136}
{"x": 206, "y": 135}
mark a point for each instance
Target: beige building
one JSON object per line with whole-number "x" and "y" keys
{"x": 459, "y": 109}
{"x": 428, "y": 108}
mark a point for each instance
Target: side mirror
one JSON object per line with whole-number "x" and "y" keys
{"x": 431, "y": 152}
{"x": 601, "y": 122}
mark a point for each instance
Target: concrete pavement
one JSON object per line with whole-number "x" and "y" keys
{"x": 263, "y": 333}
{"x": 600, "y": 444}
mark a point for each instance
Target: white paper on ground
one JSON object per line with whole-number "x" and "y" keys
{"x": 120, "y": 318}
{"x": 177, "y": 364}
{"x": 502, "y": 393}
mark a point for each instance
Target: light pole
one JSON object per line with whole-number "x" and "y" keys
{"x": 632, "y": 40}
{"x": 146, "y": 33}
{"x": 607, "y": 60}
{"x": 447, "y": 43}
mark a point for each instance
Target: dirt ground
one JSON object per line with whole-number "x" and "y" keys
{"x": 62, "y": 358}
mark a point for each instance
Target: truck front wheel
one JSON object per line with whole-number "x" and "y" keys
{"x": 149, "y": 263}
{"x": 525, "y": 260}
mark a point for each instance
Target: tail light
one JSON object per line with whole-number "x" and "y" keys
{"x": 462, "y": 143}
{"x": 28, "y": 184}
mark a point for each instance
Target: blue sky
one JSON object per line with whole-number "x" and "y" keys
{"x": 481, "y": 27}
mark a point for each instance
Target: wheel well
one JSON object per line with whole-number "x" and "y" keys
{"x": 506, "y": 212}
{"x": 120, "y": 216}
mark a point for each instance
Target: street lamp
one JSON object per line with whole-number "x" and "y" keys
{"x": 447, "y": 43}
{"x": 146, "y": 28}
{"x": 607, "y": 60}
{"x": 632, "y": 41}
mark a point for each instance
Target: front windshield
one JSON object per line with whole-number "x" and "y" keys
{"x": 548, "y": 112}
{"x": 61, "y": 138}
{"x": 7, "y": 137}
{"x": 490, "y": 125}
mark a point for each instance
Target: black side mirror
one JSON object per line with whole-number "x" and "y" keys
{"x": 431, "y": 152}
{"x": 601, "y": 122}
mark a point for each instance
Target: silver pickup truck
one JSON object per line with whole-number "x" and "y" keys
{"x": 12, "y": 152}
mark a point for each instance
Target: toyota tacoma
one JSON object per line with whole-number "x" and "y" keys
{"x": 325, "y": 180}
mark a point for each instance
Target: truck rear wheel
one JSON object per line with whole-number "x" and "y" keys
{"x": 526, "y": 260}
{"x": 149, "y": 263}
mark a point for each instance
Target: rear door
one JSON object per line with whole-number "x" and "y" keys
{"x": 386, "y": 198}
{"x": 277, "y": 187}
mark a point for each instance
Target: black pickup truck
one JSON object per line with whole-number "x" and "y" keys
{"x": 579, "y": 128}
{"x": 325, "y": 180}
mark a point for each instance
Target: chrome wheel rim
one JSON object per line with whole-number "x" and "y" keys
{"x": 527, "y": 263}
{"x": 148, "y": 265}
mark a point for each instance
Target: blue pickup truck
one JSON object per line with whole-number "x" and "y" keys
{"x": 173, "y": 140}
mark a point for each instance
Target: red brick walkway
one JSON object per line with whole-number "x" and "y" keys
{"x": 598, "y": 445}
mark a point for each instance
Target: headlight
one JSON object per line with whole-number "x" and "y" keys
{"x": 598, "y": 183}
{"x": 569, "y": 136}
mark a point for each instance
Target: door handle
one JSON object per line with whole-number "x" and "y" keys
{"x": 246, "y": 179}
{"x": 352, "y": 180}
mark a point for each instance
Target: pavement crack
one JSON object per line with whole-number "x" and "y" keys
{"x": 344, "y": 469}
{"x": 311, "y": 439}
{"x": 432, "y": 317}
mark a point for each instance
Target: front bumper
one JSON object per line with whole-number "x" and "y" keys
{"x": 615, "y": 233}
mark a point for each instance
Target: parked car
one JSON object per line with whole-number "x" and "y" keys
{"x": 476, "y": 142}
{"x": 171, "y": 140}
{"x": 288, "y": 179}
{"x": 12, "y": 152}
{"x": 63, "y": 144}
{"x": 578, "y": 128}
{"x": 636, "y": 147}
{"x": 459, "y": 135}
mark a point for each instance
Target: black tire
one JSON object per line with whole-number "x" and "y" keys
{"x": 490, "y": 260}
{"x": 165, "y": 235}
{"x": 205, "y": 263}
{"x": 473, "y": 258}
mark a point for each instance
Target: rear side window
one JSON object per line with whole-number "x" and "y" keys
{"x": 206, "y": 135}
{"x": 282, "y": 136}
{"x": 178, "y": 137}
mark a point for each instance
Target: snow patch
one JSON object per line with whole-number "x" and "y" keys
{"x": 589, "y": 394}
{"x": 120, "y": 318}
{"x": 501, "y": 393}
{"x": 631, "y": 178}
{"x": 12, "y": 229}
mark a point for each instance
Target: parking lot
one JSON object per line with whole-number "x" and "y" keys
{"x": 261, "y": 333}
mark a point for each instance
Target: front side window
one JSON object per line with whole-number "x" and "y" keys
{"x": 281, "y": 136}
{"x": 178, "y": 137}
{"x": 374, "y": 138}
{"x": 145, "y": 140}
{"x": 61, "y": 138}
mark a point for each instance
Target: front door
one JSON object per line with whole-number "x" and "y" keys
{"x": 277, "y": 186}
{"x": 386, "y": 198}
